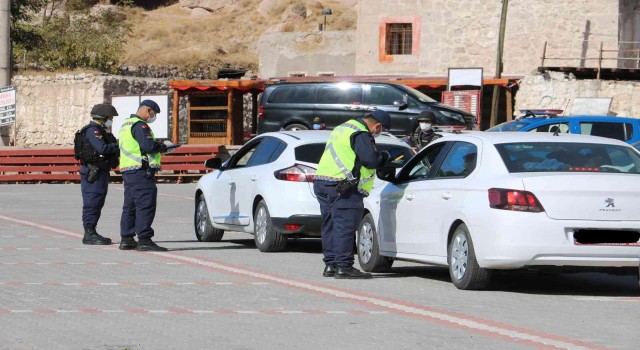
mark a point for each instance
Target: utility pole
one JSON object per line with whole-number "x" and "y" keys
{"x": 496, "y": 88}
{"x": 5, "y": 57}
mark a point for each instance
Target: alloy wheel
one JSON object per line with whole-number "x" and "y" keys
{"x": 365, "y": 242}
{"x": 201, "y": 217}
{"x": 261, "y": 225}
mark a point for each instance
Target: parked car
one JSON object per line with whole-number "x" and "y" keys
{"x": 476, "y": 202}
{"x": 266, "y": 188}
{"x": 636, "y": 145}
{"x": 293, "y": 106}
{"x": 619, "y": 128}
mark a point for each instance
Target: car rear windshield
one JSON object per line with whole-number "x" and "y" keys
{"x": 312, "y": 152}
{"x": 568, "y": 157}
{"x": 509, "y": 126}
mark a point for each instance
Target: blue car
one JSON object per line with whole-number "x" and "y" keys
{"x": 620, "y": 128}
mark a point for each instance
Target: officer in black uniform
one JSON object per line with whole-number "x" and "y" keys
{"x": 140, "y": 191}
{"x": 97, "y": 151}
{"x": 426, "y": 122}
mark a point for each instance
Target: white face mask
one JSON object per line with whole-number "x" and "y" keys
{"x": 108, "y": 123}
{"x": 316, "y": 126}
{"x": 152, "y": 119}
{"x": 425, "y": 126}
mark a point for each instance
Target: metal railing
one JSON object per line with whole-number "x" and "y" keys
{"x": 622, "y": 56}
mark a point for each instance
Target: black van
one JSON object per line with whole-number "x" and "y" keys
{"x": 293, "y": 106}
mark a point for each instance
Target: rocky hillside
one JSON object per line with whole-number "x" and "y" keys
{"x": 196, "y": 38}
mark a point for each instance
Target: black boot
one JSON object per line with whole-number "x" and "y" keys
{"x": 147, "y": 245}
{"x": 329, "y": 271}
{"x": 91, "y": 237}
{"x": 128, "y": 243}
{"x": 351, "y": 273}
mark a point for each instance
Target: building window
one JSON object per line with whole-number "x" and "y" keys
{"x": 297, "y": 74}
{"x": 399, "y": 39}
{"x": 326, "y": 74}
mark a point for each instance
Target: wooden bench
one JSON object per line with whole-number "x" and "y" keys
{"x": 58, "y": 165}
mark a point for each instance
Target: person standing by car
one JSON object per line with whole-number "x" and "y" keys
{"x": 318, "y": 124}
{"x": 97, "y": 149}
{"x": 427, "y": 122}
{"x": 140, "y": 156}
{"x": 344, "y": 177}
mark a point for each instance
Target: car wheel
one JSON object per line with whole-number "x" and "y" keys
{"x": 368, "y": 252}
{"x": 295, "y": 126}
{"x": 267, "y": 238}
{"x": 205, "y": 232}
{"x": 463, "y": 267}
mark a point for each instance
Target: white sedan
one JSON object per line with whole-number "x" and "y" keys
{"x": 266, "y": 188}
{"x": 481, "y": 201}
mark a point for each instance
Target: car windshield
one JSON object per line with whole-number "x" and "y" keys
{"x": 509, "y": 126}
{"x": 568, "y": 157}
{"x": 422, "y": 97}
{"x": 312, "y": 152}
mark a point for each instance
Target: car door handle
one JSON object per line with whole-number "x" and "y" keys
{"x": 410, "y": 197}
{"x": 353, "y": 108}
{"x": 254, "y": 179}
{"x": 446, "y": 195}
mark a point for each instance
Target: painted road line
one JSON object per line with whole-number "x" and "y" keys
{"x": 439, "y": 316}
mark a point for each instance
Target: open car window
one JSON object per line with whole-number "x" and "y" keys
{"x": 420, "y": 166}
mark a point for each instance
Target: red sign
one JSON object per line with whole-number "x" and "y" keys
{"x": 466, "y": 100}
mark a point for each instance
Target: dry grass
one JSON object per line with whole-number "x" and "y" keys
{"x": 171, "y": 35}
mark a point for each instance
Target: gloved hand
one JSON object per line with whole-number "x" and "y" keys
{"x": 170, "y": 146}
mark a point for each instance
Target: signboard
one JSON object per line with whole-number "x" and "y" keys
{"x": 127, "y": 105}
{"x": 466, "y": 100}
{"x": 7, "y": 105}
{"x": 464, "y": 77}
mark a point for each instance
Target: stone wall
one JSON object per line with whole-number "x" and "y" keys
{"x": 465, "y": 34}
{"x": 558, "y": 91}
{"x": 50, "y": 108}
{"x": 310, "y": 53}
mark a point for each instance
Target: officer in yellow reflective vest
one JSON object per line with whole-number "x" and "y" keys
{"x": 344, "y": 177}
{"x": 140, "y": 156}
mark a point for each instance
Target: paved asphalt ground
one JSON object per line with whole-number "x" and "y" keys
{"x": 56, "y": 293}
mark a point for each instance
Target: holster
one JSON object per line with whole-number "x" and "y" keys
{"x": 346, "y": 185}
{"x": 92, "y": 175}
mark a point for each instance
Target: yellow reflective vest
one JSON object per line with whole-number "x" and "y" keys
{"x": 131, "y": 156}
{"x": 339, "y": 158}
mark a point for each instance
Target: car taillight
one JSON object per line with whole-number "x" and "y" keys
{"x": 500, "y": 198}
{"x": 296, "y": 173}
{"x": 261, "y": 112}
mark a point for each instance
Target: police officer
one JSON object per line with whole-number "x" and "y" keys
{"x": 344, "y": 177}
{"x": 427, "y": 122}
{"x": 140, "y": 156}
{"x": 97, "y": 150}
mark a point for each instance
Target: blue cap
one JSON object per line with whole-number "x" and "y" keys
{"x": 383, "y": 117}
{"x": 151, "y": 104}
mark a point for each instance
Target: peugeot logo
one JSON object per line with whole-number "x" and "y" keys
{"x": 609, "y": 203}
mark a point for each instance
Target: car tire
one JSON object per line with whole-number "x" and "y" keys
{"x": 267, "y": 238}
{"x": 295, "y": 126}
{"x": 205, "y": 232}
{"x": 463, "y": 267}
{"x": 368, "y": 252}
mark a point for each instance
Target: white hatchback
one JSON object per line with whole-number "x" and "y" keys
{"x": 481, "y": 201}
{"x": 266, "y": 188}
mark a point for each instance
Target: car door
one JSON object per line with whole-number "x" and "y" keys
{"x": 338, "y": 102}
{"x": 383, "y": 96}
{"x": 225, "y": 207}
{"x": 436, "y": 200}
{"x": 254, "y": 175}
{"x": 397, "y": 205}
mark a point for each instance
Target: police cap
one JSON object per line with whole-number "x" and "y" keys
{"x": 426, "y": 116}
{"x": 104, "y": 110}
{"x": 383, "y": 117}
{"x": 151, "y": 104}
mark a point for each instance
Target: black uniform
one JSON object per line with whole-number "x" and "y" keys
{"x": 94, "y": 186}
{"x": 140, "y": 191}
{"x": 341, "y": 213}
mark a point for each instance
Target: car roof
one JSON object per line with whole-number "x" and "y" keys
{"x": 516, "y": 136}
{"x": 311, "y": 136}
{"x": 532, "y": 120}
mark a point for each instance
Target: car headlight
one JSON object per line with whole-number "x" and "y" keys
{"x": 453, "y": 115}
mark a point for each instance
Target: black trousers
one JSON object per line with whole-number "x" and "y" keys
{"x": 93, "y": 196}
{"x": 139, "y": 209}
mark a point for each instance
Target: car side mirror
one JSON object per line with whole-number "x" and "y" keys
{"x": 402, "y": 105}
{"x": 213, "y": 163}
{"x": 387, "y": 174}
